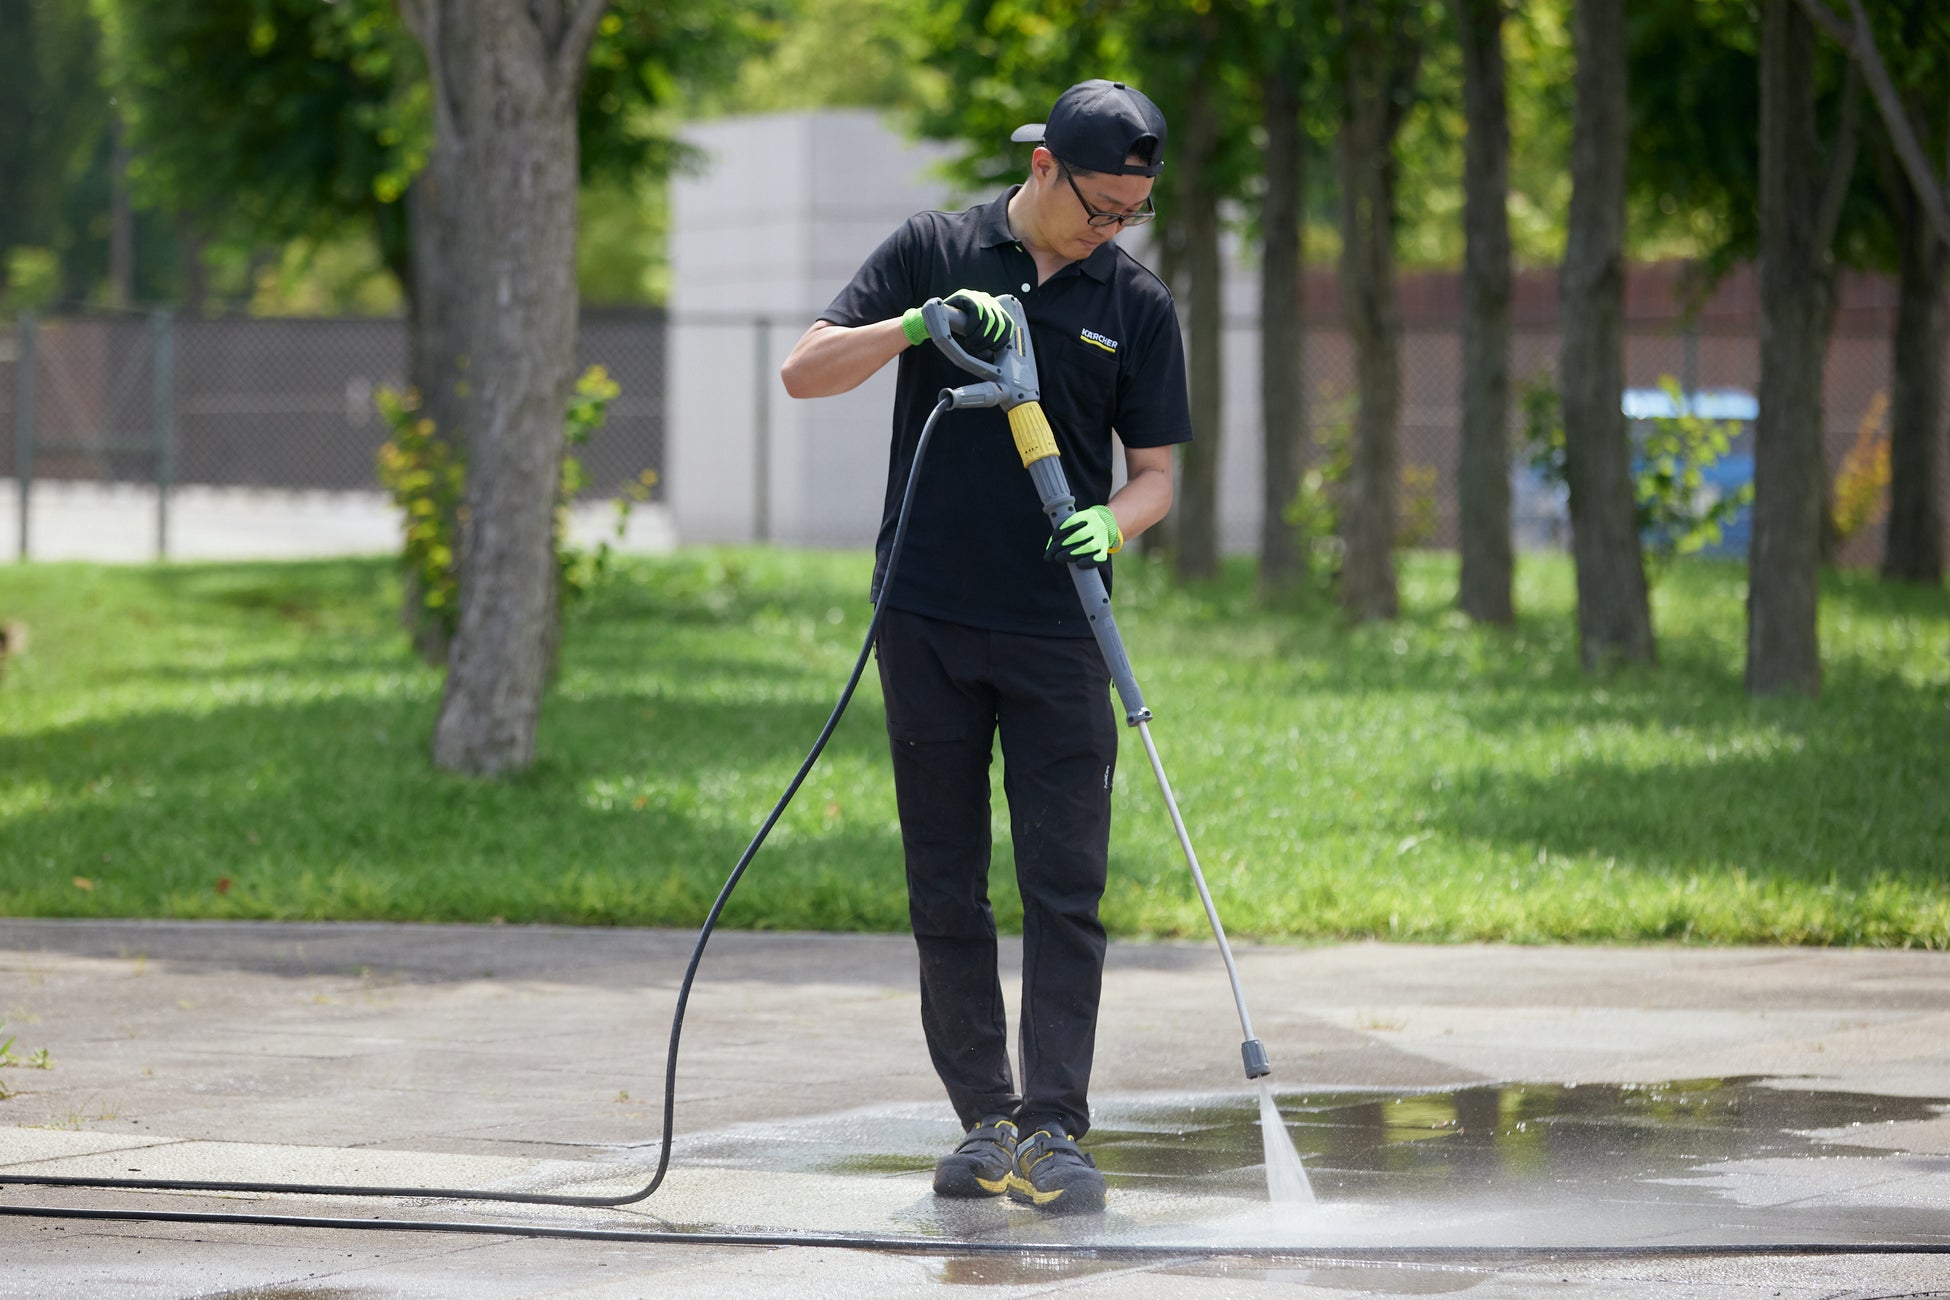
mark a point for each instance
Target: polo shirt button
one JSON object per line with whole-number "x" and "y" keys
{"x": 1025, "y": 288}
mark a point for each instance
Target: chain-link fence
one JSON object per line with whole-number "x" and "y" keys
{"x": 127, "y": 400}
{"x": 287, "y": 405}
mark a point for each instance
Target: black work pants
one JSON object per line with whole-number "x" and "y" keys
{"x": 948, "y": 690}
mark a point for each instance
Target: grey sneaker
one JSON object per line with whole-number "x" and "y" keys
{"x": 980, "y": 1165}
{"x": 1053, "y": 1174}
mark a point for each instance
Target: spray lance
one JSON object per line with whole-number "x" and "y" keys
{"x": 1009, "y": 381}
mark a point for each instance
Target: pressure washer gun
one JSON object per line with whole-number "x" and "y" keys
{"x": 1009, "y": 381}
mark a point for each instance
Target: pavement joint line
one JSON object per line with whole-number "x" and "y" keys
{"x": 154, "y": 1145}
{"x": 936, "y": 1246}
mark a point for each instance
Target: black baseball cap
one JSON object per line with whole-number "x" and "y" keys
{"x": 1097, "y": 124}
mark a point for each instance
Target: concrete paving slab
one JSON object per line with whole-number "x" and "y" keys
{"x": 1430, "y": 1092}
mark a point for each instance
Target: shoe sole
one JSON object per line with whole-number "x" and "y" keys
{"x": 974, "y": 1188}
{"x": 1075, "y": 1199}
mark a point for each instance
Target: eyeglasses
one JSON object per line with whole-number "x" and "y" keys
{"x": 1101, "y": 218}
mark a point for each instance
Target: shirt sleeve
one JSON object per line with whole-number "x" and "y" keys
{"x": 1153, "y": 409}
{"x": 884, "y": 286}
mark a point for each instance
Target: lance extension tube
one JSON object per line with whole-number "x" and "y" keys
{"x": 1009, "y": 381}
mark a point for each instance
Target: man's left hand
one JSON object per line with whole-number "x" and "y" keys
{"x": 1088, "y": 537}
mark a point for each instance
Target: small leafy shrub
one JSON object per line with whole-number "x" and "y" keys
{"x": 1543, "y": 427}
{"x": 1674, "y": 512}
{"x": 1315, "y": 511}
{"x": 1415, "y": 518}
{"x": 582, "y": 571}
{"x": 428, "y": 482}
{"x": 1863, "y": 479}
{"x": 427, "y": 478}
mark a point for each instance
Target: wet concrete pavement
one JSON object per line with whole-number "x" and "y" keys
{"x": 1499, "y": 1121}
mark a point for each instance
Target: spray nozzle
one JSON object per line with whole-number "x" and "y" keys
{"x": 1254, "y": 1051}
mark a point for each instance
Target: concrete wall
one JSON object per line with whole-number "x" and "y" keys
{"x": 785, "y": 210}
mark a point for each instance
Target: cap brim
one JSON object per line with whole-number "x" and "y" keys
{"x": 1030, "y": 134}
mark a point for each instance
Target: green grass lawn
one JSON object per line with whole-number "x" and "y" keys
{"x": 250, "y": 740}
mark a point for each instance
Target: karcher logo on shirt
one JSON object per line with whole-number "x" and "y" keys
{"x": 1095, "y": 339}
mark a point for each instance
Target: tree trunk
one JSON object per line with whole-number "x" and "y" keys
{"x": 1614, "y": 610}
{"x": 1483, "y": 470}
{"x": 504, "y": 81}
{"x": 1282, "y": 386}
{"x": 436, "y": 357}
{"x": 1913, "y": 546}
{"x": 1195, "y": 554}
{"x": 1784, "y": 565}
{"x": 1371, "y": 113}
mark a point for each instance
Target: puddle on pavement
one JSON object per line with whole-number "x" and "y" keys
{"x": 1461, "y": 1143}
{"x": 1737, "y": 1161}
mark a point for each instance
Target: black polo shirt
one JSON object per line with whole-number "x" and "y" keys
{"x": 1108, "y": 357}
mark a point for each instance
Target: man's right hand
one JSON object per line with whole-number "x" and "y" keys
{"x": 988, "y": 325}
{"x": 988, "y": 329}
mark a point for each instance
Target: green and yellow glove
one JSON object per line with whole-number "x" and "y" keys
{"x": 990, "y": 325}
{"x": 1088, "y": 537}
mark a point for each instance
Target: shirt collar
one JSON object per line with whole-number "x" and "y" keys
{"x": 995, "y": 233}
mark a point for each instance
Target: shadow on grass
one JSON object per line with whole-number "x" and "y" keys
{"x": 1834, "y": 815}
{"x": 329, "y": 808}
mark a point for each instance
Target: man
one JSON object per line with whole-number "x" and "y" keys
{"x": 980, "y": 633}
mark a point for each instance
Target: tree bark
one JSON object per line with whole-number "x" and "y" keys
{"x": 437, "y": 360}
{"x": 1379, "y": 65}
{"x": 1913, "y": 544}
{"x": 504, "y": 80}
{"x": 1483, "y": 471}
{"x": 1282, "y": 386}
{"x": 1784, "y": 564}
{"x": 1195, "y": 553}
{"x": 1614, "y": 610}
